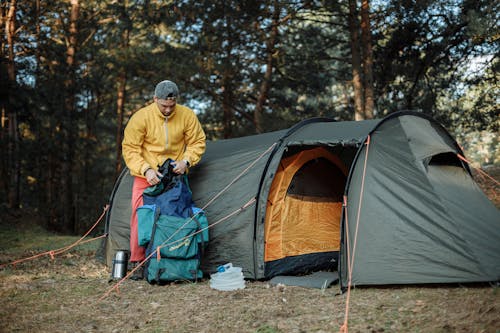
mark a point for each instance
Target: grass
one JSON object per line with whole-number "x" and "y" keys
{"x": 23, "y": 237}
{"x": 64, "y": 295}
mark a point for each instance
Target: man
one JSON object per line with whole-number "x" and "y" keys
{"x": 161, "y": 130}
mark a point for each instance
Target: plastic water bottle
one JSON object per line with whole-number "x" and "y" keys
{"x": 227, "y": 278}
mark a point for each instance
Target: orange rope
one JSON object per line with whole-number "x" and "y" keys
{"x": 53, "y": 253}
{"x": 350, "y": 262}
{"x": 238, "y": 176}
{"x": 115, "y": 287}
{"x": 86, "y": 234}
{"x": 479, "y": 170}
{"x": 242, "y": 208}
{"x": 343, "y": 328}
{"x": 214, "y": 198}
{"x": 203, "y": 208}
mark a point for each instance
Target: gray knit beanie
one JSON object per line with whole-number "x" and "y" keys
{"x": 166, "y": 89}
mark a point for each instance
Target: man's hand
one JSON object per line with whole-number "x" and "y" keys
{"x": 153, "y": 176}
{"x": 180, "y": 167}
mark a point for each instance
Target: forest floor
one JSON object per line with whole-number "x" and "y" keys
{"x": 68, "y": 294}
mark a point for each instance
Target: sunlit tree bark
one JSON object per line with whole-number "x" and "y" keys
{"x": 9, "y": 113}
{"x": 357, "y": 82}
{"x": 266, "y": 81}
{"x": 69, "y": 124}
{"x": 366, "y": 42}
{"x": 121, "y": 88}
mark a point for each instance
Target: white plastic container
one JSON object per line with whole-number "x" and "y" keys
{"x": 227, "y": 278}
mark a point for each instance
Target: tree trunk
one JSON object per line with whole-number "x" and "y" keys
{"x": 4, "y": 95}
{"x": 227, "y": 80}
{"x": 227, "y": 104}
{"x": 67, "y": 197}
{"x": 120, "y": 110}
{"x": 356, "y": 62}
{"x": 122, "y": 89}
{"x": 13, "y": 165}
{"x": 266, "y": 82}
{"x": 41, "y": 160}
{"x": 367, "y": 59}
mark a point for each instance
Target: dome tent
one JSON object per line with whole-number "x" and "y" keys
{"x": 299, "y": 200}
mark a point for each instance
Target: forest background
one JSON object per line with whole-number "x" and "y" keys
{"x": 73, "y": 72}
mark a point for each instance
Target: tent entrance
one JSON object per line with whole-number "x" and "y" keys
{"x": 302, "y": 228}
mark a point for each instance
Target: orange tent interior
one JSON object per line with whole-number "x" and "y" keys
{"x": 304, "y": 205}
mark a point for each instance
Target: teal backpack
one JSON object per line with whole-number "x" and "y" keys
{"x": 173, "y": 231}
{"x": 176, "y": 246}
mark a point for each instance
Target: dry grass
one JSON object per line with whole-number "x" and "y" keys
{"x": 64, "y": 295}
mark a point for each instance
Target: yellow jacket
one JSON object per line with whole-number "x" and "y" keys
{"x": 150, "y": 138}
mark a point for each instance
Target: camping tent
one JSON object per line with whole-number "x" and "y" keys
{"x": 386, "y": 201}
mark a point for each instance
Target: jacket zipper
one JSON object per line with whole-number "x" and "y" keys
{"x": 166, "y": 132}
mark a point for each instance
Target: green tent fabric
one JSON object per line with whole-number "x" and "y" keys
{"x": 422, "y": 217}
{"x": 416, "y": 213}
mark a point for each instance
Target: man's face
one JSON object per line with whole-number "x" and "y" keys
{"x": 166, "y": 106}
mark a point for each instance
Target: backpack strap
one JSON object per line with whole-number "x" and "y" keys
{"x": 186, "y": 182}
{"x": 149, "y": 248}
{"x": 193, "y": 216}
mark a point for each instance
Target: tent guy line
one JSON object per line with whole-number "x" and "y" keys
{"x": 53, "y": 253}
{"x": 238, "y": 177}
{"x": 80, "y": 241}
{"x": 117, "y": 284}
{"x": 350, "y": 260}
{"x": 479, "y": 170}
{"x": 165, "y": 243}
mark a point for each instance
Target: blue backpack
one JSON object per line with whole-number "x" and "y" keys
{"x": 173, "y": 231}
